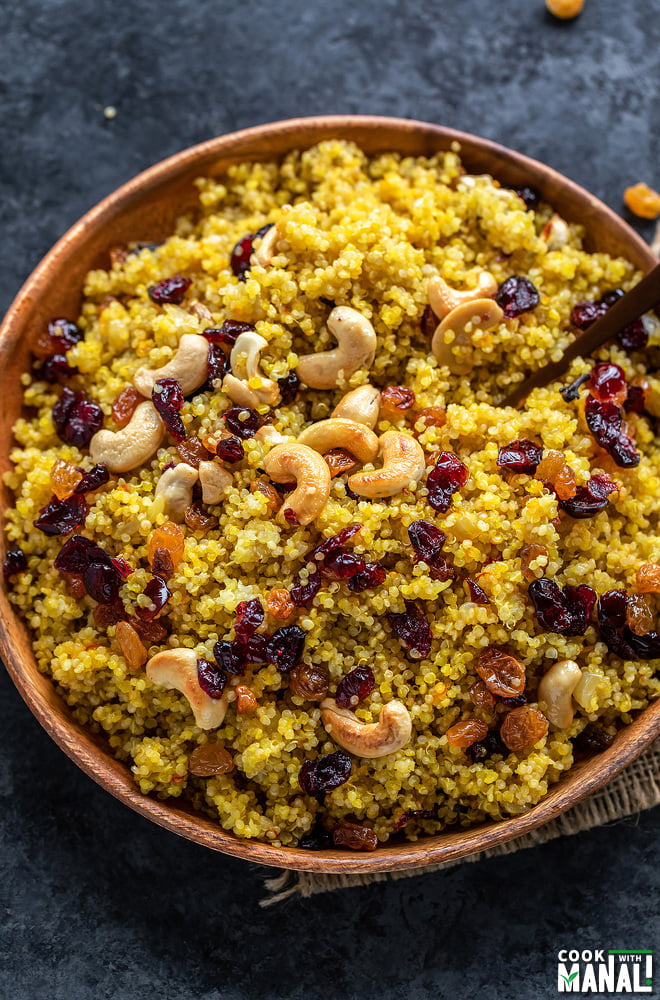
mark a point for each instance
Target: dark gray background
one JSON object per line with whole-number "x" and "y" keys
{"x": 97, "y": 903}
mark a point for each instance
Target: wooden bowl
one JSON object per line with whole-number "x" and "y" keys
{"x": 145, "y": 209}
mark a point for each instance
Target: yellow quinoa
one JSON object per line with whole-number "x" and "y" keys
{"x": 364, "y": 233}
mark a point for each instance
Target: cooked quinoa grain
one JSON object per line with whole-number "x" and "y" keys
{"x": 255, "y": 627}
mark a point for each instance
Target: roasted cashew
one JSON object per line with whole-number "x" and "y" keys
{"x": 215, "y": 480}
{"x": 359, "y": 404}
{"x": 443, "y": 298}
{"x": 337, "y": 433}
{"x": 175, "y": 486}
{"x": 462, "y": 323}
{"x": 266, "y": 249}
{"x": 270, "y": 435}
{"x": 555, "y": 232}
{"x": 356, "y": 348}
{"x": 244, "y": 360}
{"x": 177, "y": 668}
{"x": 556, "y": 689}
{"x": 133, "y": 445}
{"x": 189, "y": 367}
{"x": 201, "y": 311}
{"x": 311, "y": 473}
{"x": 403, "y": 461}
{"x": 368, "y": 739}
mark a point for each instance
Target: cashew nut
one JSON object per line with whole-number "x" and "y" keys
{"x": 356, "y": 348}
{"x": 268, "y": 434}
{"x": 372, "y": 739}
{"x": 456, "y": 330}
{"x": 556, "y": 689}
{"x": 311, "y": 473}
{"x": 201, "y": 311}
{"x": 443, "y": 298}
{"x": 189, "y": 367}
{"x": 131, "y": 446}
{"x": 555, "y": 232}
{"x": 244, "y": 361}
{"x": 215, "y": 480}
{"x": 403, "y": 461}
{"x": 359, "y": 404}
{"x": 177, "y": 668}
{"x": 175, "y": 486}
{"x": 266, "y": 249}
{"x": 337, "y": 433}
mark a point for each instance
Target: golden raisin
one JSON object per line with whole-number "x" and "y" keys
{"x": 44, "y": 346}
{"x": 528, "y": 555}
{"x": 648, "y": 578}
{"x": 246, "y": 700}
{"x": 396, "y": 399}
{"x": 467, "y": 732}
{"x": 208, "y": 760}
{"x": 502, "y": 673}
{"x": 269, "y": 491}
{"x": 643, "y": 201}
{"x": 279, "y": 604}
{"x": 339, "y": 460}
{"x": 355, "y": 836}
{"x": 125, "y": 405}
{"x": 193, "y": 452}
{"x": 432, "y": 416}
{"x": 197, "y": 518}
{"x": 131, "y": 645}
{"x": 63, "y": 479}
{"x": 309, "y": 681}
{"x": 162, "y": 564}
{"x": 565, "y": 483}
{"x": 565, "y": 9}
{"x": 171, "y": 537}
{"x": 523, "y": 727}
{"x": 481, "y": 696}
{"x": 554, "y": 471}
{"x": 639, "y": 616}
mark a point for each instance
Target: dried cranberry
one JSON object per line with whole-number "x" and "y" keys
{"x": 529, "y": 195}
{"x": 517, "y": 295}
{"x": 593, "y": 739}
{"x": 303, "y": 594}
{"x": 76, "y": 418}
{"x": 611, "y": 297}
{"x": 15, "y": 563}
{"x": 355, "y": 686}
{"x": 230, "y": 449}
{"x": 95, "y": 477}
{"x": 412, "y": 630}
{"x": 428, "y": 323}
{"x": 641, "y": 647}
{"x": 317, "y": 777}
{"x": 334, "y": 542}
{"x": 170, "y": 290}
{"x": 414, "y": 814}
{"x": 342, "y": 564}
{"x": 633, "y": 337}
{"x": 612, "y": 608}
{"x": 101, "y": 582}
{"x": 242, "y": 422}
{"x": 229, "y": 659}
{"x": 585, "y": 313}
{"x": 607, "y": 381}
{"x": 78, "y": 553}
{"x": 604, "y": 421}
{"x": 240, "y": 255}
{"x": 372, "y": 575}
{"x": 636, "y": 399}
{"x": 426, "y": 539}
{"x": 56, "y": 369}
{"x": 572, "y": 391}
{"x": 289, "y": 388}
{"x": 249, "y": 616}
{"x": 285, "y": 647}
{"x": 217, "y": 366}
{"x": 168, "y": 399}
{"x": 317, "y": 839}
{"x": 123, "y": 568}
{"x": 521, "y": 456}
{"x": 228, "y": 333}
{"x": 211, "y": 680}
{"x": 490, "y": 745}
{"x": 61, "y": 517}
{"x": 291, "y": 517}
{"x": 159, "y": 594}
{"x": 477, "y": 595}
{"x": 448, "y": 476}
{"x": 65, "y": 333}
{"x": 253, "y": 650}
{"x": 566, "y": 611}
{"x": 589, "y": 499}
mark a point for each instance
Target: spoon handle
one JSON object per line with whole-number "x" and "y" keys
{"x": 644, "y": 296}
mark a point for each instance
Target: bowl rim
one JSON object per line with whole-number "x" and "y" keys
{"x": 93, "y": 757}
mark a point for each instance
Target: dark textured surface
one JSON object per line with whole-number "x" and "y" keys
{"x": 97, "y": 903}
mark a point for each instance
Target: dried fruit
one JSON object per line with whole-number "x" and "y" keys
{"x": 414, "y": 814}
{"x": 566, "y": 611}
{"x": 339, "y": 460}
{"x": 396, "y": 399}
{"x": 643, "y": 201}
{"x": 132, "y": 646}
{"x": 239, "y": 260}
{"x": 193, "y": 452}
{"x": 217, "y": 366}
{"x": 593, "y": 739}
{"x": 309, "y": 681}
{"x": 64, "y": 478}
{"x": 101, "y": 582}
{"x": 154, "y": 632}
{"x": 317, "y": 777}
{"x": 412, "y": 630}
{"x": 159, "y": 594}
{"x": 15, "y": 563}
{"x": 487, "y": 747}
{"x": 249, "y": 616}
{"x": 76, "y": 418}
{"x": 428, "y": 323}
{"x": 329, "y": 545}
{"x": 198, "y": 519}
{"x": 341, "y": 564}
{"x": 477, "y": 594}
{"x": 171, "y": 290}
{"x": 427, "y": 540}
{"x": 161, "y": 564}
{"x": 448, "y": 476}
{"x": 604, "y": 421}
{"x": 523, "y": 727}
{"x": 211, "y": 679}
{"x": 466, "y": 732}
{"x": 502, "y": 673}
{"x": 285, "y": 647}
{"x": 521, "y": 456}
{"x": 355, "y": 686}
{"x": 355, "y": 836}
{"x": 639, "y": 616}
{"x": 93, "y": 479}
{"x": 481, "y": 696}
{"x": 56, "y": 369}
{"x": 636, "y": 398}
{"x": 209, "y": 760}
{"x": 230, "y": 658}
{"x": 289, "y": 388}
{"x": 228, "y": 333}
{"x": 371, "y": 575}
{"x": 125, "y": 405}
{"x": 648, "y": 578}
{"x": 529, "y": 195}
{"x": 318, "y": 839}
{"x": 608, "y": 382}
{"x": 106, "y": 615}
{"x": 61, "y": 517}
{"x": 303, "y": 594}
{"x": 171, "y": 537}
{"x": 58, "y": 338}
{"x": 632, "y": 337}
{"x": 242, "y": 422}
{"x": 432, "y": 416}
{"x": 78, "y": 553}
{"x": 168, "y": 400}
{"x": 247, "y": 703}
{"x": 590, "y": 499}
{"x": 528, "y": 555}
{"x": 267, "y": 490}
{"x": 517, "y": 295}
{"x": 279, "y": 604}
{"x": 230, "y": 449}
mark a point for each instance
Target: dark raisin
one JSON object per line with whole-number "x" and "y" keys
{"x": 55, "y": 369}
{"x": 289, "y": 388}
{"x": 572, "y": 391}
{"x": 154, "y": 632}
{"x": 211, "y": 680}
{"x": 228, "y": 333}
{"x": 428, "y": 323}
{"x": 159, "y": 594}
{"x": 477, "y": 595}
{"x": 106, "y": 615}
{"x": 198, "y": 518}
{"x": 61, "y": 517}
{"x": 94, "y": 478}
{"x": 607, "y": 381}
{"x": 15, "y": 563}
{"x": 230, "y": 449}
{"x": 593, "y": 739}
{"x": 162, "y": 564}
{"x": 414, "y": 814}
{"x": 491, "y": 744}
{"x": 317, "y": 777}
{"x": 228, "y": 657}
{"x": 317, "y": 839}
{"x": 412, "y": 629}
{"x": 192, "y": 452}
{"x": 448, "y": 476}
{"x": 242, "y": 422}
{"x": 636, "y": 399}
{"x": 309, "y": 681}
{"x": 609, "y": 298}
{"x": 529, "y": 195}
{"x": 355, "y": 686}
{"x": 101, "y": 582}
{"x": 249, "y": 616}
{"x": 303, "y": 594}
{"x": 590, "y": 499}
{"x": 520, "y": 699}
{"x": 517, "y": 295}
{"x": 521, "y": 456}
{"x": 612, "y": 608}
{"x": 168, "y": 399}
{"x": 604, "y": 421}
{"x": 78, "y": 553}
{"x": 285, "y": 647}
{"x": 633, "y": 337}
{"x": 171, "y": 290}
{"x": 371, "y": 575}
{"x": 566, "y": 611}
{"x": 217, "y": 366}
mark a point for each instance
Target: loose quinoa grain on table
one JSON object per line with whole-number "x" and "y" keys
{"x": 275, "y": 538}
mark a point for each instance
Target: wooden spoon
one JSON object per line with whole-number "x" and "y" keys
{"x": 641, "y": 298}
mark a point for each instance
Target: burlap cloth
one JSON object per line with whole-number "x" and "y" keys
{"x": 635, "y": 789}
